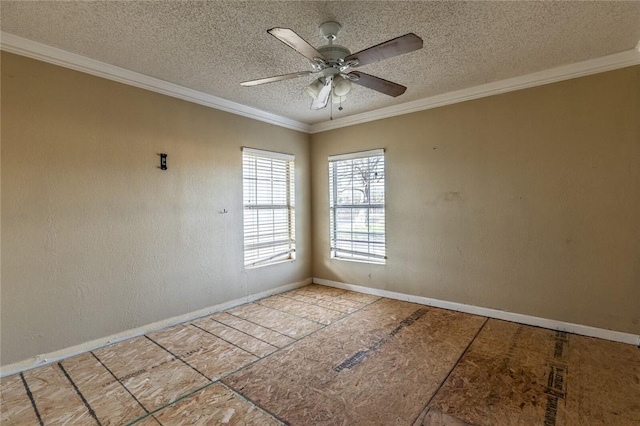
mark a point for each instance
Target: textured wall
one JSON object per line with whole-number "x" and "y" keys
{"x": 527, "y": 202}
{"x": 95, "y": 238}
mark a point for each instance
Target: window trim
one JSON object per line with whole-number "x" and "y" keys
{"x": 289, "y": 206}
{"x": 355, "y": 155}
{"x": 270, "y": 154}
{"x": 371, "y": 258}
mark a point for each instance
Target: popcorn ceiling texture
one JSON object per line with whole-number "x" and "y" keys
{"x": 213, "y": 46}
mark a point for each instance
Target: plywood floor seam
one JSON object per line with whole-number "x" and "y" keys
{"x": 82, "y": 398}
{"x": 119, "y": 382}
{"x": 417, "y": 421}
{"x": 265, "y": 326}
{"x": 31, "y": 400}
{"x": 221, "y": 338}
{"x": 240, "y": 331}
{"x": 179, "y": 358}
{"x": 324, "y": 356}
{"x": 177, "y": 401}
{"x": 253, "y": 403}
{"x": 240, "y": 318}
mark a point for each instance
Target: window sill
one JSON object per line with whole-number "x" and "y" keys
{"x": 368, "y": 262}
{"x": 269, "y": 264}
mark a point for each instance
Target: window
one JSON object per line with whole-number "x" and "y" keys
{"x": 269, "y": 213}
{"x": 356, "y": 200}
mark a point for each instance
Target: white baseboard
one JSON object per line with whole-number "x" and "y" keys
{"x": 55, "y": 356}
{"x": 584, "y": 330}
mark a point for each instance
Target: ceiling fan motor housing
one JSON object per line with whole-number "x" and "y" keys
{"x": 334, "y": 53}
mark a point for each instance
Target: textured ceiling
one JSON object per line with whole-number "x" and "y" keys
{"x": 213, "y": 46}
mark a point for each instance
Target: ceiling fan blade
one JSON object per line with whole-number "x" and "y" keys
{"x": 390, "y": 48}
{"x": 275, "y": 78}
{"x": 378, "y": 84}
{"x": 296, "y": 42}
{"x": 323, "y": 97}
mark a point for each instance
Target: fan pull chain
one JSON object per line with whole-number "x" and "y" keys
{"x": 331, "y": 101}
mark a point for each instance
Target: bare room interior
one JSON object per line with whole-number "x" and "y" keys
{"x": 320, "y": 213}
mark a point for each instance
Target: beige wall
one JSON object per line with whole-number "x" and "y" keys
{"x": 526, "y": 202}
{"x": 95, "y": 238}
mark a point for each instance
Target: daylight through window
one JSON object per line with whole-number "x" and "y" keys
{"x": 269, "y": 212}
{"x": 356, "y": 199}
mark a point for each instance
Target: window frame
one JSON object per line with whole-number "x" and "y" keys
{"x": 378, "y": 256}
{"x": 288, "y": 162}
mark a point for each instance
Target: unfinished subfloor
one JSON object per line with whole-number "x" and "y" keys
{"x": 323, "y": 356}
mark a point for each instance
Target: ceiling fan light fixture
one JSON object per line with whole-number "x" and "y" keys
{"x": 314, "y": 88}
{"x": 341, "y": 86}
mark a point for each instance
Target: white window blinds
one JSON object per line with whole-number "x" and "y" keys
{"x": 269, "y": 207}
{"x": 356, "y": 200}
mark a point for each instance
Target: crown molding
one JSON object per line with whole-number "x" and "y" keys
{"x": 552, "y": 75}
{"x": 36, "y": 50}
{"x": 33, "y": 49}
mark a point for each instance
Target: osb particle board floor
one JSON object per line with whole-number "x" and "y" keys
{"x": 323, "y": 356}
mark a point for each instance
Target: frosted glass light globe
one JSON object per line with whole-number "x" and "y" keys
{"x": 341, "y": 86}
{"x": 314, "y": 89}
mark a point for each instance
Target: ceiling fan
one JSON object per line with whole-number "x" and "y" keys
{"x": 334, "y": 63}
